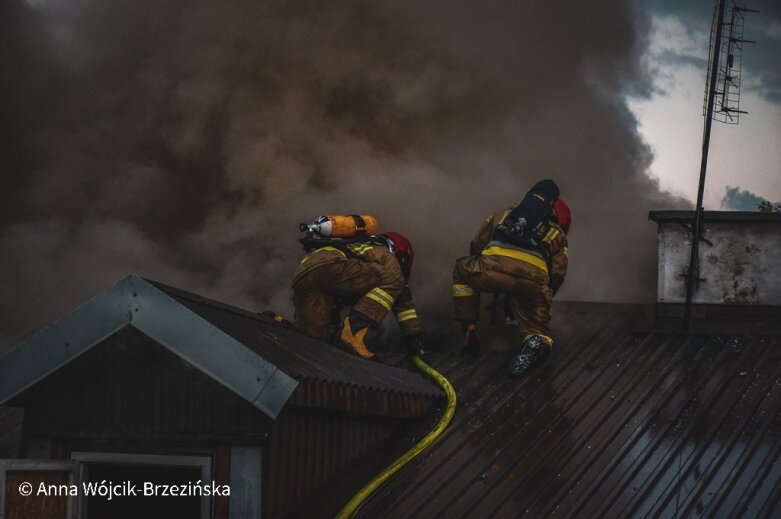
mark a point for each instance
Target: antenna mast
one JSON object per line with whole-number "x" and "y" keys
{"x": 722, "y": 102}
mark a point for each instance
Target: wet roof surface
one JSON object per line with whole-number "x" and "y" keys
{"x": 617, "y": 423}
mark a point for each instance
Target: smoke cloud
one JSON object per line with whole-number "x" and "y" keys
{"x": 736, "y": 199}
{"x": 185, "y": 140}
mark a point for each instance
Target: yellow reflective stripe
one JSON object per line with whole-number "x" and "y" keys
{"x": 463, "y": 291}
{"x": 538, "y": 196}
{"x": 379, "y": 300}
{"x": 406, "y": 315}
{"x": 329, "y": 248}
{"x": 381, "y": 296}
{"x": 566, "y": 252}
{"x": 550, "y": 235}
{"x": 361, "y": 249}
{"x": 382, "y": 293}
{"x": 332, "y": 249}
{"x": 516, "y": 254}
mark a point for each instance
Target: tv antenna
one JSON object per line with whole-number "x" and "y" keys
{"x": 729, "y": 71}
{"x": 722, "y": 103}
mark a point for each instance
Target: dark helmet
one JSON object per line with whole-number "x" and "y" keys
{"x": 401, "y": 248}
{"x": 563, "y": 214}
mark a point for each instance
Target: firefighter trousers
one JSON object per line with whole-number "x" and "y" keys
{"x": 316, "y": 295}
{"x": 525, "y": 285}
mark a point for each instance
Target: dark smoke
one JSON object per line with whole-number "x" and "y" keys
{"x": 736, "y": 199}
{"x": 184, "y": 140}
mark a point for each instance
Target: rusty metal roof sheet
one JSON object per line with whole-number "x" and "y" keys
{"x": 328, "y": 377}
{"x": 618, "y": 423}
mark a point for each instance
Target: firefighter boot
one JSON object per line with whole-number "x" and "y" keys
{"x": 471, "y": 338}
{"x": 535, "y": 349}
{"x": 354, "y": 329}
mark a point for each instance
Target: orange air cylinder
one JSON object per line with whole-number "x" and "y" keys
{"x": 345, "y": 226}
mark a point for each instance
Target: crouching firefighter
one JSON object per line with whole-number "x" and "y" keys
{"x": 348, "y": 264}
{"x": 520, "y": 252}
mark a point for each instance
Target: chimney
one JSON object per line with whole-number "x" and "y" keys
{"x": 739, "y": 274}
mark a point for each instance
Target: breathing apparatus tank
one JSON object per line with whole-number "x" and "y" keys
{"x": 351, "y": 226}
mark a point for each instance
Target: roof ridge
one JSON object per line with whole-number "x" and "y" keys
{"x": 196, "y": 298}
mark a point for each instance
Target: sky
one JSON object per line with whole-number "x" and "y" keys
{"x": 744, "y": 164}
{"x": 185, "y": 140}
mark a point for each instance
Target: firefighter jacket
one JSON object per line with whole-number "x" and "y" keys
{"x": 551, "y": 255}
{"x": 366, "y": 272}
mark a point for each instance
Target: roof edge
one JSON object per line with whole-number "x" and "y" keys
{"x": 196, "y": 298}
{"x": 64, "y": 340}
{"x": 714, "y": 216}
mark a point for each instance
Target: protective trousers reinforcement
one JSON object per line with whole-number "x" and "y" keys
{"x": 315, "y": 294}
{"x": 525, "y": 284}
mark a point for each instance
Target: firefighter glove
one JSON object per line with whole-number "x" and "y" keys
{"x": 416, "y": 344}
{"x": 471, "y": 345}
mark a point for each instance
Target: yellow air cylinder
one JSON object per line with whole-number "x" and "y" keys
{"x": 345, "y": 226}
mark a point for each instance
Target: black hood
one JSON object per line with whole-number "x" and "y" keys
{"x": 548, "y": 187}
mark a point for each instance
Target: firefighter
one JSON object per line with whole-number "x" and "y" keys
{"x": 371, "y": 274}
{"x": 520, "y": 252}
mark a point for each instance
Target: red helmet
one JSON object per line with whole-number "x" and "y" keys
{"x": 401, "y": 248}
{"x": 563, "y": 214}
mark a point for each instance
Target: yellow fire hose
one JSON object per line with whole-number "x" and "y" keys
{"x": 352, "y": 507}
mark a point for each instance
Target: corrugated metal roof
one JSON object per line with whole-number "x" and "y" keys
{"x": 617, "y": 423}
{"x": 330, "y": 377}
{"x": 268, "y": 364}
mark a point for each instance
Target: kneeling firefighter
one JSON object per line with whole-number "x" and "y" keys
{"x": 520, "y": 252}
{"x": 348, "y": 264}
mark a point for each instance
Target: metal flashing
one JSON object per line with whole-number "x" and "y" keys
{"x": 193, "y": 338}
{"x": 135, "y": 302}
{"x": 714, "y": 216}
{"x": 63, "y": 341}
